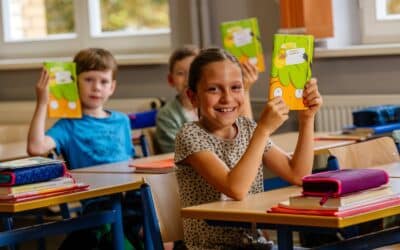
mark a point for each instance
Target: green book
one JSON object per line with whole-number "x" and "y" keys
{"x": 291, "y": 68}
{"x": 242, "y": 39}
{"x": 64, "y": 99}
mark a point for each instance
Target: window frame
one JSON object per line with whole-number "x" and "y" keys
{"x": 137, "y": 44}
{"x": 375, "y": 30}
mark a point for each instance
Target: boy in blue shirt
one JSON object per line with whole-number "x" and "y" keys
{"x": 100, "y": 136}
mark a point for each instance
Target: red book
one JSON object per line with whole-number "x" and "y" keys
{"x": 373, "y": 206}
{"x": 156, "y": 166}
{"x": 39, "y": 195}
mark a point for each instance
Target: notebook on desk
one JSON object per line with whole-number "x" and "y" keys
{"x": 340, "y": 137}
{"x": 155, "y": 166}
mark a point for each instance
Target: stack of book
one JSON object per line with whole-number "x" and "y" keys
{"x": 352, "y": 203}
{"x": 35, "y": 177}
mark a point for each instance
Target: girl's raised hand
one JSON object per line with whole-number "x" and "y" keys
{"x": 311, "y": 98}
{"x": 250, "y": 74}
{"x": 42, "y": 88}
{"x": 275, "y": 113}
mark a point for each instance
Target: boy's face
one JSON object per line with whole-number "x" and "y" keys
{"x": 178, "y": 78}
{"x": 95, "y": 87}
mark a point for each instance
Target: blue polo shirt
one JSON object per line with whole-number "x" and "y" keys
{"x": 91, "y": 141}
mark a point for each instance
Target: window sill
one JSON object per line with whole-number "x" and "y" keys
{"x": 358, "y": 50}
{"x": 35, "y": 63}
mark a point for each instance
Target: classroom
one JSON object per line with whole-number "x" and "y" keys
{"x": 354, "y": 53}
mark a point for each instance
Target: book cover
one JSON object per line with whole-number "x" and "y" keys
{"x": 242, "y": 39}
{"x": 291, "y": 68}
{"x": 39, "y": 186}
{"x": 312, "y": 202}
{"x": 64, "y": 96}
{"x": 156, "y": 166}
{"x": 27, "y": 162}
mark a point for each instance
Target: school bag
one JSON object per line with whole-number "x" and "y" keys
{"x": 376, "y": 115}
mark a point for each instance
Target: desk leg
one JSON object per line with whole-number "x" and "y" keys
{"x": 151, "y": 228}
{"x": 117, "y": 227}
{"x": 285, "y": 238}
{"x": 65, "y": 211}
{"x": 8, "y": 225}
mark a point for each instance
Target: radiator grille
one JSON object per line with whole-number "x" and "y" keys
{"x": 337, "y": 109}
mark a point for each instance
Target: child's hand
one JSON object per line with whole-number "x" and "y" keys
{"x": 42, "y": 88}
{"x": 311, "y": 98}
{"x": 275, "y": 113}
{"x": 250, "y": 74}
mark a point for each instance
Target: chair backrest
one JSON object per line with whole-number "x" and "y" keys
{"x": 143, "y": 119}
{"x": 165, "y": 193}
{"x": 145, "y": 122}
{"x": 369, "y": 153}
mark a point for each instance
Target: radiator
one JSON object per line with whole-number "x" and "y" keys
{"x": 336, "y": 111}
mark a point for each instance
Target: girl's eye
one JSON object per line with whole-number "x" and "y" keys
{"x": 212, "y": 89}
{"x": 237, "y": 87}
{"x": 104, "y": 82}
{"x": 180, "y": 73}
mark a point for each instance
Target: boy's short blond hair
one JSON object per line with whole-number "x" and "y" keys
{"x": 182, "y": 53}
{"x": 95, "y": 59}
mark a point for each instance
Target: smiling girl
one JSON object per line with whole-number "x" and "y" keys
{"x": 221, "y": 156}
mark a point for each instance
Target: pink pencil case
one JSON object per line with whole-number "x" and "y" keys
{"x": 340, "y": 182}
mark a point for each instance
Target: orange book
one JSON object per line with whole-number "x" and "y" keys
{"x": 156, "y": 166}
{"x": 64, "y": 97}
{"x": 242, "y": 39}
{"x": 291, "y": 68}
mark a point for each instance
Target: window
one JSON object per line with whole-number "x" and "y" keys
{"x": 387, "y": 10}
{"x": 380, "y": 21}
{"x": 47, "y": 28}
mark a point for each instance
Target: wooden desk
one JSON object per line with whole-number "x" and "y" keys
{"x": 100, "y": 185}
{"x": 13, "y": 150}
{"x": 164, "y": 191}
{"x": 122, "y": 167}
{"x": 253, "y": 210}
{"x": 287, "y": 141}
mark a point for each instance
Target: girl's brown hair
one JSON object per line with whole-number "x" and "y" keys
{"x": 206, "y": 57}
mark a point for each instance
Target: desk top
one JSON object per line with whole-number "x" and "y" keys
{"x": 13, "y": 150}
{"x": 100, "y": 185}
{"x": 253, "y": 209}
{"x": 122, "y": 167}
{"x": 287, "y": 142}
